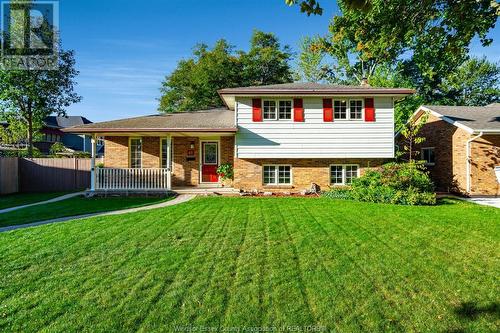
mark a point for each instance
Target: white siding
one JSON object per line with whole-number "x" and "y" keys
{"x": 314, "y": 138}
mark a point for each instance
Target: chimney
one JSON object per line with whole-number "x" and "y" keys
{"x": 364, "y": 82}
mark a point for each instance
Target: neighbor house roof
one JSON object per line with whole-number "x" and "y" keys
{"x": 474, "y": 119}
{"x": 214, "y": 120}
{"x": 308, "y": 88}
{"x": 65, "y": 121}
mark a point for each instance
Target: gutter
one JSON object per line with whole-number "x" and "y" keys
{"x": 468, "y": 161}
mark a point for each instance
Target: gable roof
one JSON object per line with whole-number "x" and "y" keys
{"x": 63, "y": 122}
{"x": 473, "y": 119}
{"x": 308, "y": 88}
{"x": 214, "y": 120}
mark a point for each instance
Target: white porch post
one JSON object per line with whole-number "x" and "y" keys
{"x": 92, "y": 162}
{"x": 169, "y": 163}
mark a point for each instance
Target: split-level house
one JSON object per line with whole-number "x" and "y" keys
{"x": 278, "y": 138}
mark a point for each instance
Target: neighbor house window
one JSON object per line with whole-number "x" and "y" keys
{"x": 277, "y": 175}
{"x": 343, "y": 174}
{"x": 356, "y": 109}
{"x": 277, "y": 110}
{"x": 428, "y": 156}
{"x": 340, "y": 109}
{"x": 269, "y": 110}
{"x": 164, "y": 153}
{"x": 136, "y": 153}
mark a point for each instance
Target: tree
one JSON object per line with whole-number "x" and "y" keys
{"x": 475, "y": 82}
{"x": 31, "y": 95}
{"x": 410, "y": 136}
{"x": 194, "y": 83}
{"x": 266, "y": 62}
{"x": 310, "y": 62}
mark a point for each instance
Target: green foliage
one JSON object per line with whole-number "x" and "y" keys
{"x": 476, "y": 82}
{"x": 57, "y": 147}
{"x": 194, "y": 83}
{"x": 28, "y": 96}
{"x": 225, "y": 171}
{"x": 409, "y": 135}
{"x": 396, "y": 183}
{"x": 21, "y": 153}
{"x": 310, "y": 63}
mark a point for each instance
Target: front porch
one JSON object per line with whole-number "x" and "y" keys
{"x": 178, "y": 162}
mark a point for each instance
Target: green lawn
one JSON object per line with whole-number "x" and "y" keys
{"x": 74, "y": 206}
{"x": 19, "y": 199}
{"x": 258, "y": 262}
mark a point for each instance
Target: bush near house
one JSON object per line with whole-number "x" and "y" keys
{"x": 396, "y": 183}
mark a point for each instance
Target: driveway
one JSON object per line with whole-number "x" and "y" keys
{"x": 493, "y": 202}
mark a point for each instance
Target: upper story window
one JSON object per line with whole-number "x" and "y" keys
{"x": 135, "y": 152}
{"x": 277, "y": 109}
{"x": 348, "y": 109}
{"x": 427, "y": 154}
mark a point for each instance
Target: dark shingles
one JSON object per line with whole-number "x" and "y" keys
{"x": 474, "y": 117}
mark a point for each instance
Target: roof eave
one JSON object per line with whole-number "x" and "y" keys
{"x": 121, "y": 130}
{"x": 315, "y": 92}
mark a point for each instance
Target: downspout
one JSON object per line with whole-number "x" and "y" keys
{"x": 468, "y": 161}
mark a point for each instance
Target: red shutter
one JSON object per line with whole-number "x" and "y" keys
{"x": 256, "y": 109}
{"x": 327, "y": 109}
{"x": 369, "y": 109}
{"x": 298, "y": 110}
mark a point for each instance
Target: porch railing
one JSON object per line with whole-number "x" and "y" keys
{"x": 131, "y": 179}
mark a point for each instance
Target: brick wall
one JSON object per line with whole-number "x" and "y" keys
{"x": 248, "y": 172}
{"x": 450, "y": 148}
{"x": 485, "y": 155}
{"x": 185, "y": 172}
{"x": 116, "y": 152}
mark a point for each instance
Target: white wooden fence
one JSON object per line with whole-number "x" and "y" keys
{"x": 131, "y": 179}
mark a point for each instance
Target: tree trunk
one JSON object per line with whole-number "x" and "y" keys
{"x": 30, "y": 135}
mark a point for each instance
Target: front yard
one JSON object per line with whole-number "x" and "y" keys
{"x": 287, "y": 263}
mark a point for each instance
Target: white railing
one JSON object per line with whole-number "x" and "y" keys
{"x": 131, "y": 179}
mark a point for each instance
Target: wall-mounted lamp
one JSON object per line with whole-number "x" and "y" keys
{"x": 191, "y": 145}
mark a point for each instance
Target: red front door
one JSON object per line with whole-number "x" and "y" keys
{"x": 210, "y": 162}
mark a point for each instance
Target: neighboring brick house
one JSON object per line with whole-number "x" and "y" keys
{"x": 278, "y": 138}
{"x": 462, "y": 148}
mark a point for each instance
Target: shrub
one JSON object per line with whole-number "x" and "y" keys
{"x": 397, "y": 183}
{"x": 225, "y": 171}
{"x": 57, "y": 147}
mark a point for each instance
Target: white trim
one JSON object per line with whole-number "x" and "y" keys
{"x": 422, "y": 155}
{"x": 171, "y": 149}
{"x": 276, "y": 175}
{"x": 277, "y": 109}
{"x": 200, "y": 167}
{"x": 343, "y": 173}
{"x": 92, "y": 162}
{"x": 442, "y": 117}
{"x": 348, "y": 109}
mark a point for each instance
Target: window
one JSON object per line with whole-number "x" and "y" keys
{"x": 277, "y": 175}
{"x": 164, "y": 154}
{"x": 285, "y": 110}
{"x": 277, "y": 110}
{"x": 348, "y": 109}
{"x": 356, "y": 109}
{"x": 428, "y": 156}
{"x": 269, "y": 110}
{"x": 340, "y": 109}
{"x": 136, "y": 153}
{"x": 343, "y": 174}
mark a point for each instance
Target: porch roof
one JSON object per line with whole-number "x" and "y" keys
{"x": 213, "y": 120}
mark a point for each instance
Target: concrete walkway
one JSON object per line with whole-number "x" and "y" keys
{"x": 62, "y": 197}
{"x": 493, "y": 202}
{"x": 180, "y": 199}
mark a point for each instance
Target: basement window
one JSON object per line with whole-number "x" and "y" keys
{"x": 343, "y": 174}
{"x": 277, "y": 175}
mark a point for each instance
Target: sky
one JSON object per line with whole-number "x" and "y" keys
{"x": 125, "y": 48}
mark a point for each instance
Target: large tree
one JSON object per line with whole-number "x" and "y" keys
{"x": 194, "y": 83}
{"x": 28, "y": 96}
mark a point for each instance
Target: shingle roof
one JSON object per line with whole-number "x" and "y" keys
{"x": 214, "y": 120}
{"x": 477, "y": 118}
{"x": 314, "y": 88}
{"x": 63, "y": 122}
